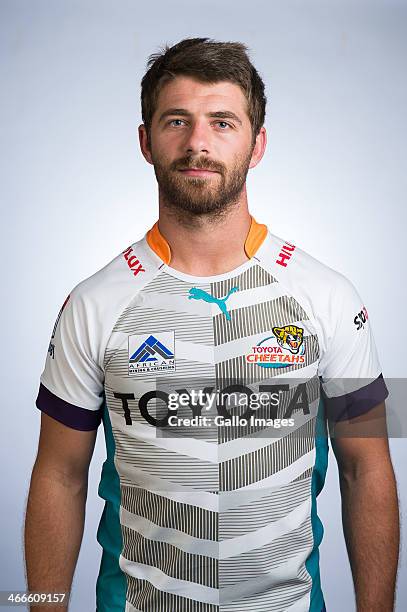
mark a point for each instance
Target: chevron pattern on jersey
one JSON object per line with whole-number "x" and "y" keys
{"x": 190, "y": 327}
{"x": 170, "y": 559}
{"x": 166, "y": 284}
{"x": 257, "y": 318}
{"x": 252, "y": 278}
{"x": 193, "y": 521}
{"x": 212, "y": 520}
{"x": 225, "y": 434}
{"x": 267, "y": 460}
{"x": 145, "y": 597}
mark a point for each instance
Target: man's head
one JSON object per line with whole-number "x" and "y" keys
{"x": 203, "y": 107}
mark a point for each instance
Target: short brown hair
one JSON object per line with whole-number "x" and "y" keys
{"x": 207, "y": 61}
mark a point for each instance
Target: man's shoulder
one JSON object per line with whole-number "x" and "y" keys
{"x": 302, "y": 273}
{"x": 119, "y": 280}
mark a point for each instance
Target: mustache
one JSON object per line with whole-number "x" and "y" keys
{"x": 201, "y": 164}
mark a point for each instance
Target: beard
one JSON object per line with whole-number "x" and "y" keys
{"x": 191, "y": 197}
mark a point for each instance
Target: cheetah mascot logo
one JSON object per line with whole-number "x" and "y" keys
{"x": 289, "y": 337}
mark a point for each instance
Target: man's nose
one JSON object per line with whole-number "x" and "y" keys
{"x": 198, "y": 138}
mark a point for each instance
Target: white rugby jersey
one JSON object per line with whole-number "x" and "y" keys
{"x": 212, "y": 515}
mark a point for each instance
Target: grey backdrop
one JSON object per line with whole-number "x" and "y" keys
{"x": 75, "y": 191}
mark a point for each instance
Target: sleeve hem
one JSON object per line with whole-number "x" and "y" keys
{"x": 66, "y": 413}
{"x": 358, "y": 402}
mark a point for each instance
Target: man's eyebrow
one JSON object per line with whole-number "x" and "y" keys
{"x": 222, "y": 114}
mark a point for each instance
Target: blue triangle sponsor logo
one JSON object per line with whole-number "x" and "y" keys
{"x": 152, "y": 353}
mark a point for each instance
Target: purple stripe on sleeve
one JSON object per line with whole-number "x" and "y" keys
{"x": 358, "y": 402}
{"x": 68, "y": 414}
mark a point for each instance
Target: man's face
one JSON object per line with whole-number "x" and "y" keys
{"x": 204, "y": 127}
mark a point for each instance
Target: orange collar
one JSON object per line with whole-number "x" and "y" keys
{"x": 255, "y": 237}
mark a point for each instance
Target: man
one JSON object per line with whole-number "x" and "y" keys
{"x": 204, "y": 512}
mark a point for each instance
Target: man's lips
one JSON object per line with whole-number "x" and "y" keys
{"x": 197, "y": 171}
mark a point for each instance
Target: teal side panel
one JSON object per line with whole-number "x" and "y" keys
{"x": 111, "y": 583}
{"x": 318, "y": 479}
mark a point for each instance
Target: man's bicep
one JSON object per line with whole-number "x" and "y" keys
{"x": 360, "y": 444}
{"x": 64, "y": 453}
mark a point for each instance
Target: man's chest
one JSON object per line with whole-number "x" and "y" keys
{"x": 178, "y": 350}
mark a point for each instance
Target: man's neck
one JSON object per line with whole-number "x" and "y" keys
{"x": 207, "y": 247}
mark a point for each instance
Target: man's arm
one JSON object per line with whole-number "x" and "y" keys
{"x": 55, "y": 512}
{"x": 370, "y": 514}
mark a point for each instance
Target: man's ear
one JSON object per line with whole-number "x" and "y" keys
{"x": 144, "y": 143}
{"x": 259, "y": 147}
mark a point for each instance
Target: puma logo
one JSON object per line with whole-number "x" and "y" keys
{"x": 199, "y": 294}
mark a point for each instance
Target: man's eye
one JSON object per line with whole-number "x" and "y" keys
{"x": 172, "y": 121}
{"x": 224, "y": 123}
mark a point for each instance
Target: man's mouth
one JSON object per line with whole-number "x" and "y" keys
{"x": 198, "y": 171}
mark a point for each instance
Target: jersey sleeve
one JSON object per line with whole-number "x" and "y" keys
{"x": 72, "y": 382}
{"x": 349, "y": 370}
